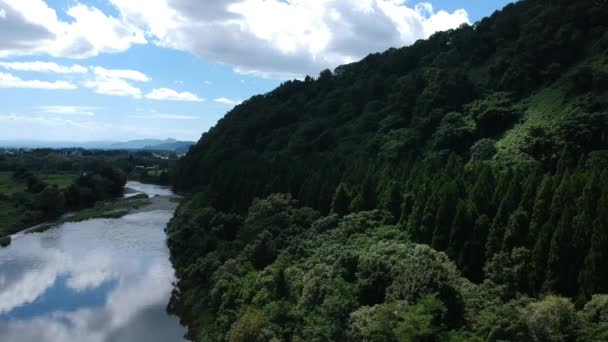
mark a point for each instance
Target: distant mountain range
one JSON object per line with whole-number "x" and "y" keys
{"x": 170, "y": 144}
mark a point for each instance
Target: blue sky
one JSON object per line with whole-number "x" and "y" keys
{"x": 127, "y": 69}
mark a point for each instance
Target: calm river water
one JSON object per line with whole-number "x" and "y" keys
{"x": 98, "y": 280}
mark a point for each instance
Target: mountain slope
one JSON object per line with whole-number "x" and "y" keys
{"x": 487, "y": 143}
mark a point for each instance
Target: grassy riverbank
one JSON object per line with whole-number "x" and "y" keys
{"x": 114, "y": 209}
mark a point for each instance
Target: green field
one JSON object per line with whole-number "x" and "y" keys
{"x": 9, "y": 186}
{"x": 12, "y": 216}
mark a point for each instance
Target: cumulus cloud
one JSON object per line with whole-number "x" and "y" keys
{"x": 114, "y": 82}
{"x": 167, "y": 94}
{"x": 271, "y": 38}
{"x": 227, "y": 101}
{"x": 32, "y": 27}
{"x": 11, "y": 81}
{"x": 277, "y": 38}
{"x": 47, "y": 67}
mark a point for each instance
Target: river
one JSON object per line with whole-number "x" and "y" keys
{"x": 98, "y": 280}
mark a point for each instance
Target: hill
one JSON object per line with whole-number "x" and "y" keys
{"x": 169, "y": 144}
{"x": 154, "y": 144}
{"x": 440, "y": 191}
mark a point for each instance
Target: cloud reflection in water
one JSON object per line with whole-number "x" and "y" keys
{"x": 99, "y": 280}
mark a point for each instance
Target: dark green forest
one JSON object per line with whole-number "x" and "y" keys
{"x": 452, "y": 190}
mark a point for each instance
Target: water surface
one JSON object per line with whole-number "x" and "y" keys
{"x": 98, "y": 280}
{"x": 150, "y": 189}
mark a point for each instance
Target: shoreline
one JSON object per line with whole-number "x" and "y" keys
{"x": 158, "y": 202}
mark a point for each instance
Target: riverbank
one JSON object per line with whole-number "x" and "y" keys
{"x": 112, "y": 210}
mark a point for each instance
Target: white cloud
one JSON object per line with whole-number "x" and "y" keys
{"x": 115, "y": 82}
{"x": 271, "y": 38}
{"x": 69, "y": 110}
{"x": 131, "y": 75}
{"x": 10, "y": 81}
{"x": 163, "y": 116}
{"x": 2, "y": 13}
{"x": 172, "y": 95}
{"x": 283, "y": 39}
{"x": 32, "y": 27}
{"x": 48, "y": 67}
{"x": 227, "y": 101}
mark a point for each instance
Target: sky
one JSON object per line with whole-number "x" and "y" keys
{"x": 100, "y": 70}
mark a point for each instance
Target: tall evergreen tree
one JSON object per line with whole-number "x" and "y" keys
{"x": 482, "y": 191}
{"x": 593, "y": 278}
{"x": 582, "y": 224}
{"x": 561, "y": 255}
{"x": 341, "y": 200}
{"x": 462, "y": 231}
{"x": 391, "y": 200}
{"x": 448, "y": 197}
{"x": 516, "y": 231}
{"x": 540, "y": 211}
{"x": 407, "y": 206}
{"x": 507, "y": 206}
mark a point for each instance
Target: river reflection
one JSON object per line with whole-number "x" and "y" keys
{"x": 98, "y": 280}
{"x": 150, "y": 189}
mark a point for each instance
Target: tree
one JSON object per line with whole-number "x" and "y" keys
{"x": 482, "y": 191}
{"x": 507, "y": 206}
{"x": 552, "y": 319}
{"x": 593, "y": 278}
{"x": 516, "y": 231}
{"x": 341, "y": 200}
{"x": 561, "y": 255}
{"x": 52, "y": 201}
{"x": 448, "y": 198}
{"x": 392, "y": 199}
{"x": 462, "y": 231}
{"x": 540, "y": 212}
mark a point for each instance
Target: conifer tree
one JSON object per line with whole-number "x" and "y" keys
{"x": 461, "y": 232}
{"x": 560, "y": 255}
{"x": 391, "y": 200}
{"x": 448, "y": 197}
{"x": 540, "y": 211}
{"x": 593, "y": 278}
{"x": 482, "y": 191}
{"x": 369, "y": 201}
{"x": 407, "y": 206}
{"x": 516, "y": 231}
{"x": 507, "y": 206}
{"x": 341, "y": 200}
{"x": 582, "y": 224}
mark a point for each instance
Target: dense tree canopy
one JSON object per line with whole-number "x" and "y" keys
{"x": 436, "y": 192}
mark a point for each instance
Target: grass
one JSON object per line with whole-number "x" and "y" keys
{"x": 61, "y": 180}
{"x": 10, "y": 186}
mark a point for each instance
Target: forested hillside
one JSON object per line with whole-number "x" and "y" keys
{"x": 456, "y": 189}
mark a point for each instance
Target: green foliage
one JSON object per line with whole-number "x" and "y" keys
{"x": 5, "y": 241}
{"x": 487, "y": 142}
{"x": 32, "y": 198}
